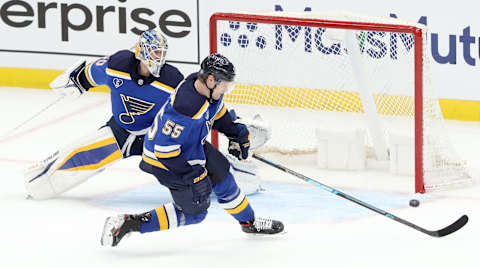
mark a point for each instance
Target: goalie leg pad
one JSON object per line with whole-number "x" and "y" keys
{"x": 219, "y": 165}
{"x": 72, "y": 165}
{"x": 246, "y": 175}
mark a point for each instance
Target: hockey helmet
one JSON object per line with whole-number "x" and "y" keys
{"x": 219, "y": 66}
{"x": 151, "y": 49}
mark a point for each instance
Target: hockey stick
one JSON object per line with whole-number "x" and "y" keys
{"x": 6, "y": 135}
{"x": 439, "y": 233}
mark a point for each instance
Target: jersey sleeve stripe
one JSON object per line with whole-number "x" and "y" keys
{"x": 167, "y": 149}
{"x": 88, "y": 74}
{"x": 201, "y": 111}
{"x": 153, "y": 162}
{"x": 163, "y": 87}
{"x": 116, "y": 73}
{"x": 221, "y": 113}
{"x": 169, "y": 154}
{"x": 196, "y": 162}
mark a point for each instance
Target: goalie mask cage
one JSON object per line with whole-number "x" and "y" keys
{"x": 306, "y": 68}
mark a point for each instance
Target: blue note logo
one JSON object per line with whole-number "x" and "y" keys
{"x": 117, "y": 82}
{"x": 133, "y": 106}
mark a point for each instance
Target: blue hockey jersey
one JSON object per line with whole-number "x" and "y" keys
{"x": 135, "y": 99}
{"x": 175, "y": 140}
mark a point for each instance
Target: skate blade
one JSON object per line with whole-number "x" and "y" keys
{"x": 257, "y": 235}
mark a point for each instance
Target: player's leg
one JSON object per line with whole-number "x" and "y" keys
{"x": 234, "y": 201}
{"x": 183, "y": 211}
{"x": 232, "y": 198}
{"x": 162, "y": 218}
{"x": 75, "y": 163}
{"x": 219, "y": 165}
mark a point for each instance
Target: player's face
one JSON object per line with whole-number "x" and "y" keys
{"x": 222, "y": 88}
{"x": 157, "y": 55}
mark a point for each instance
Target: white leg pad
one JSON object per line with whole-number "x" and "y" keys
{"x": 245, "y": 174}
{"x": 72, "y": 165}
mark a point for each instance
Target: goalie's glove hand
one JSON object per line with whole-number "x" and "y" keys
{"x": 67, "y": 83}
{"x": 238, "y": 146}
{"x": 200, "y": 183}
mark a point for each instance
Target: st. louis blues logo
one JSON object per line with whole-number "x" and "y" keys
{"x": 117, "y": 82}
{"x": 133, "y": 106}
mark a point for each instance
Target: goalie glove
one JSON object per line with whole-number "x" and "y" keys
{"x": 68, "y": 83}
{"x": 259, "y": 129}
{"x": 238, "y": 146}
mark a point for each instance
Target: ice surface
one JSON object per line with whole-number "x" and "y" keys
{"x": 323, "y": 230}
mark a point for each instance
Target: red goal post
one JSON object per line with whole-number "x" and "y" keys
{"x": 305, "y": 21}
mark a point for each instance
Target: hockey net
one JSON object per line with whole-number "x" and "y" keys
{"x": 303, "y": 71}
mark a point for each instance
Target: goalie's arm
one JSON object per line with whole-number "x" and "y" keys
{"x": 92, "y": 74}
{"x": 80, "y": 77}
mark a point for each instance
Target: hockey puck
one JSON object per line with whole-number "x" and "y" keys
{"x": 414, "y": 203}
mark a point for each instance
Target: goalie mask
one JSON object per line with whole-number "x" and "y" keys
{"x": 151, "y": 49}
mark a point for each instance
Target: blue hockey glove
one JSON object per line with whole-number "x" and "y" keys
{"x": 238, "y": 146}
{"x": 200, "y": 183}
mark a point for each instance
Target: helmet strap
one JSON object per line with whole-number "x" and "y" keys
{"x": 210, "y": 99}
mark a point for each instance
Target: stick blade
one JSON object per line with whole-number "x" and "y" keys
{"x": 457, "y": 225}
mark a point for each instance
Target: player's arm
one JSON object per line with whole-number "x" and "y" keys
{"x": 237, "y": 133}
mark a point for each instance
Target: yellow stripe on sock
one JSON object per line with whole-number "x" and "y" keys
{"x": 162, "y": 218}
{"x": 239, "y": 208}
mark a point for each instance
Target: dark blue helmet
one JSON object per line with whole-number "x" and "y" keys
{"x": 219, "y": 66}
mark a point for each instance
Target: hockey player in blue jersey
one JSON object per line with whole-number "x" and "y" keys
{"x": 177, "y": 154}
{"x": 140, "y": 83}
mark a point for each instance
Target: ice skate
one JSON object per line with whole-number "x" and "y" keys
{"x": 117, "y": 227}
{"x": 262, "y": 226}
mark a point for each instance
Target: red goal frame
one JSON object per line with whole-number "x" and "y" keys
{"x": 418, "y": 64}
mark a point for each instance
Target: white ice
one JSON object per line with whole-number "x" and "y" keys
{"x": 323, "y": 230}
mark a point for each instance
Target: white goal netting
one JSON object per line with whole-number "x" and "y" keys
{"x": 304, "y": 71}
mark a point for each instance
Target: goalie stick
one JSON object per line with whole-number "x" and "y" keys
{"x": 439, "y": 233}
{"x": 12, "y": 131}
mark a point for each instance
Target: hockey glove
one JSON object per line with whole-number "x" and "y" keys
{"x": 68, "y": 82}
{"x": 238, "y": 146}
{"x": 200, "y": 183}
